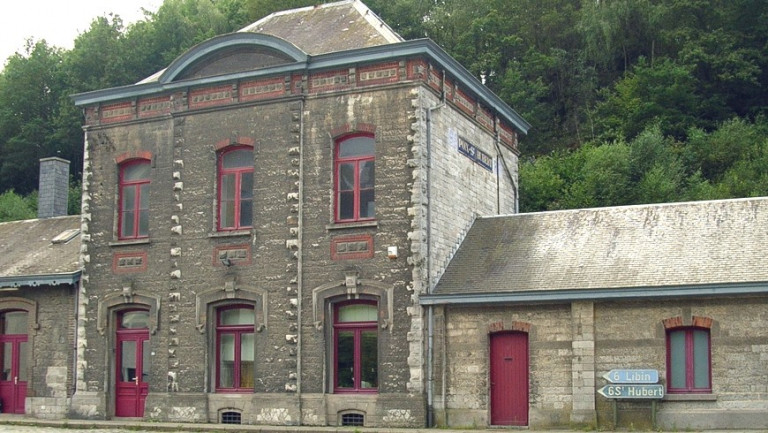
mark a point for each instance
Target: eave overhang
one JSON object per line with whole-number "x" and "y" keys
{"x": 305, "y": 64}
{"x": 66, "y": 278}
{"x": 611, "y": 294}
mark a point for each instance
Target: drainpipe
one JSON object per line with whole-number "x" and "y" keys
{"x": 430, "y": 308}
{"x": 299, "y": 264}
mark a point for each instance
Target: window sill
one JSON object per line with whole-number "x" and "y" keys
{"x": 690, "y": 397}
{"x": 127, "y": 242}
{"x": 230, "y": 233}
{"x": 352, "y": 225}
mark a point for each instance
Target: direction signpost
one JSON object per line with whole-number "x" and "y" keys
{"x": 632, "y": 384}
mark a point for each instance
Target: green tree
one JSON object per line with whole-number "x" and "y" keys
{"x": 14, "y": 207}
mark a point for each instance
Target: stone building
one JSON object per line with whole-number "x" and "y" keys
{"x": 534, "y": 310}
{"x": 261, "y": 218}
{"x": 39, "y": 279}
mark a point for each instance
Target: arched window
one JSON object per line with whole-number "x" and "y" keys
{"x": 134, "y": 199}
{"x": 356, "y": 347}
{"x": 354, "y": 178}
{"x": 235, "y": 188}
{"x": 235, "y": 348}
{"x": 688, "y": 360}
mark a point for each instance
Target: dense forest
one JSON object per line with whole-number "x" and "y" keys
{"x": 631, "y": 101}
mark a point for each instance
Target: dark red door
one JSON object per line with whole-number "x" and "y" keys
{"x": 509, "y": 379}
{"x": 132, "y": 366}
{"x": 13, "y": 379}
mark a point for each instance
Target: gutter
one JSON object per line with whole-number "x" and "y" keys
{"x": 40, "y": 280}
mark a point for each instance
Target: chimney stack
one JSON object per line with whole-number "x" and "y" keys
{"x": 54, "y": 187}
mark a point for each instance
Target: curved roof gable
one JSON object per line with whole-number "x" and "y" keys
{"x": 228, "y": 54}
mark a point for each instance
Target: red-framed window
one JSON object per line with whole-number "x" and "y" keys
{"x": 235, "y": 348}
{"x": 134, "y": 199}
{"x": 354, "y": 178}
{"x": 688, "y": 360}
{"x": 235, "y": 191}
{"x": 356, "y": 347}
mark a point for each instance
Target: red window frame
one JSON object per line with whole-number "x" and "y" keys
{"x": 238, "y": 199}
{"x": 689, "y": 369}
{"x": 356, "y": 192}
{"x": 137, "y": 213}
{"x": 357, "y": 329}
{"x": 237, "y": 331}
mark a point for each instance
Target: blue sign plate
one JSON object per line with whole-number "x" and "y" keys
{"x": 632, "y": 391}
{"x": 632, "y": 376}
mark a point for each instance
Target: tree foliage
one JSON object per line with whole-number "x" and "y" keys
{"x": 631, "y": 101}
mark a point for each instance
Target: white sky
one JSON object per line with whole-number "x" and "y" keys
{"x": 59, "y": 22}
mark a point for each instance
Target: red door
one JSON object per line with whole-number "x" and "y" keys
{"x": 509, "y": 379}
{"x": 13, "y": 371}
{"x": 132, "y": 364}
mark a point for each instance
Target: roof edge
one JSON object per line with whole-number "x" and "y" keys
{"x": 41, "y": 280}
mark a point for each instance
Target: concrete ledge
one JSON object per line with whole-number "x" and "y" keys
{"x": 709, "y": 419}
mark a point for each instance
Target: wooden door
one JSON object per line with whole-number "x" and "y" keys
{"x": 132, "y": 362}
{"x": 509, "y": 379}
{"x": 13, "y": 376}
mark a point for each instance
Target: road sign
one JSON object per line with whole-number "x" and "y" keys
{"x": 632, "y": 376}
{"x": 632, "y": 391}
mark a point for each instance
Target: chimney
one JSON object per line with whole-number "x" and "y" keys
{"x": 54, "y": 187}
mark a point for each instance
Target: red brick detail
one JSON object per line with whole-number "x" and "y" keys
{"x": 262, "y": 89}
{"x": 673, "y": 322}
{"x": 327, "y": 81}
{"x": 499, "y": 326}
{"x": 485, "y": 118}
{"x": 464, "y": 102}
{"x": 435, "y": 81}
{"x": 154, "y": 106}
{"x": 239, "y": 141}
{"x": 211, "y": 96}
{"x": 117, "y": 112}
{"x": 507, "y": 136}
{"x": 349, "y": 128}
{"x": 378, "y": 74}
{"x": 296, "y": 83}
{"x": 702, "y": 322}
{"x": 127, "y": 156}
{"x": 416, "y": 69}
{"x": 236, "y": 254}
{"x": 124, "y": 263}
{"x": 448, "y": 90}
{"x": 352, "y": 247}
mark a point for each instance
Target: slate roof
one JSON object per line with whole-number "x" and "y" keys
{"x": 649, "y": 246}
{"x": 30, "y": 258}
{"x": 327, "y": 28}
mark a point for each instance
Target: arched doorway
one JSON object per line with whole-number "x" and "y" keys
{"x": 132, "y": 362}
{"x": 13, "y": 371}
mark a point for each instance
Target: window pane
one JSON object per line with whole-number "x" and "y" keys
{"x": 145, "y": 362}
{"x": 226, "y": 360}
{"x": 346, "y": 177}
{"x": 345, "y": 359}
{"x": 346, "y": 205}
{"x": 246, "y": 360}
{"x": 22, "y": 361}
{"x": 369, "y": 348}
{"x": 128, "y": 224}
{"x": 134, "y": 320}
{"x": 367, "y": 204}
{"x": 137, "y": 171}
{"x": 7, "y": 361}
{"x": 358, "y": 313}
{"x": 143, "y": 223}
{"x": 238, "y": 158}
{"x": 246, "y": 200}
{"x": 129, "y": 198}
{"x": 127, "y": 361}
{"x": 228, "y": 187}
{"x": 356, "y": 146}
{"x": 367, "y": 174}
{"x": 246, "y": 185}
{"x": 677, "y": 359}
{"x": 237, "y": 316}
{"x": 15, "y": 322}
{"x": 700, "y": 359}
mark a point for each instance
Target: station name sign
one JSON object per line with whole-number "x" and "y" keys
{"x": 478, "y": 156}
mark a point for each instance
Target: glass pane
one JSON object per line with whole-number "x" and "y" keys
{"x": 358, "y": 313}
{"x": 22, "y": 361}
{"x": 346, "y": 177}
{"x": 369, "y": 348}
{"x": 138, "y": 171}
{"x": 367, "y": 204}
{"x": 143, "y": 223}
{"x": 246, "y": 213}
{"x": 346, "y": 205}
{"x": 238, "y": 158}
{"x": 700, "y": 359}
{"x": 226, "y": 360}
{"x": 129, "y": 198}
{"x": 127, "y": 227}
{"x": 367, "y": 174}
{"x": 228, "y": 187}
{"x": 127, "y": 361}
{"x": 237, "y": 316}
{"x": 134, "y": 320}
{"x": 246, "y": 360}
{"x": 677, "y": 359}
{"x": 345, "y": 359}
{"x": 15, "y": 322}
{"x": 145, "y": 362}
{"x": 246, "y": 185}
{"x": 356, "y": 146}
{"x": 7, "y": 361}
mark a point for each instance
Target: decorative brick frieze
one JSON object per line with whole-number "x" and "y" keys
{"x": 484, "y": 117}
{"x": 262, "y": 89}
{"x": 155, "y": 106}
{"x": 352, "y": 247}
{"x": 464, "y": 102}
{"x": 118, "y": 112}
{"x": 435, "y": 80}
{"x": 211, "y": 96}
{"x": 416, "y": 69}
{"x": 232, "y": 254}
{"x": 378, "y": 74}
{"x": 123, "y": 263}
{"x": 328, "y": 81}
{"x": 507, "y": 135}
